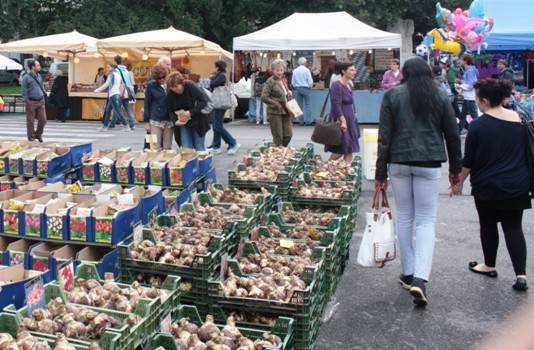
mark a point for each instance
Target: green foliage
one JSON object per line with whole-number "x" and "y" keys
{"x": 216, "y": 20}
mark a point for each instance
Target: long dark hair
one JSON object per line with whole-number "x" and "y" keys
{"x": 423, "y": 90}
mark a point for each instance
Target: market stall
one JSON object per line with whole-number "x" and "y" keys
{"x": 323, "y": 38}
{"x": 190, "y": 54}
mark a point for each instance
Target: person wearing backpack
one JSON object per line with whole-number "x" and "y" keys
{"x": 127, "y": 91}
{"x": 34, "y": 96}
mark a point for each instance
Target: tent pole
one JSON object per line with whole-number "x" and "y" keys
{"x": 233, "y": 65}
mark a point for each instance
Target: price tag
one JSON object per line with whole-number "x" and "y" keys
{"x": 241, "y": 248}
{"x": 286, "y": 243}
{"x": 138, "y": 233}
{"x": 39, "y": 208}
{"x": 224, "y": 266}
{"x": 66, "y": 275}
{"x": 105, "y": 161}
{"x": 126, "y": 199}
{"x": 166, "y": 324}
{"x": 35, "y": 297}
{"x": 322, "y": 174}
{"x": 154, "y": 188}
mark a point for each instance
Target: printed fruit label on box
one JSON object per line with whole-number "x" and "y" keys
{"x": 27, "y": 167}
{"x": 54, "y": 224}
{"x": 156, "y": 176}
{"x": 11, "y": 221}
{"x": 39, "y": 263}
{"x": 33, "y": 224}
{"x": 105, "y": 173}
{"x": 16, "y": 258}
{"x": 122, "y": 174}
{"x": 13, "y": 166}
{"x": 176, "y": 176}
{"x": 2, "y": 166}
{"x": 104, "y": 230}
{"x": 78, "y": 228}
{"x": 88, "y": 171}
{"x": 42, "y": 168}
{"x": 139, "y": 176}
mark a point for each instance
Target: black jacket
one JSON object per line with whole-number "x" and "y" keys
{"x": 155, "y": 103}
{"x": 193, "y": 100}
{"x": 405, "y": 138}
{"x": 59, "y": 95}
{"x": 507, "y": 74}
{"x": 218, "y": 80}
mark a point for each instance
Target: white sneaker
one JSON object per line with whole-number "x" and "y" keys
{"x": 216, "y": 151}
{"x": 233, "y": 150}
{"x": 127, "y": 128}
{"x": 103, "y": 128}
{"x": 258, "y": 122}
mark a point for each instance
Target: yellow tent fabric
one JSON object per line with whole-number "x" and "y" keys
{"x": 156, "y": 43}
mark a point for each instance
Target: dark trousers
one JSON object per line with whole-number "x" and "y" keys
{"x": 468, "y": 107}
{"x": 35, "y": 110}
{"x": 219, "y": 131}
{"x": 455, "y": 106}
{"x": 61, "y": 114}
{"x": 511, "y": 222}
{"x": 281, "y": 129}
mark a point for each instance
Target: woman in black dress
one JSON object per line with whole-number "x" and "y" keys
{"x": 496, "y": 160}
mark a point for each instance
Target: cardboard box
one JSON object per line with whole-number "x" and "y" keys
{"x": 15, "y": 278}
{"x": 32, "y": 184}
{"x": 4, "y": 253}
{"x": 15, "y": 208}
{"x": 114, "y": 220}
{"x": 26, "y": 160}
{"x": 123, "y": 167}
{"x": 6, "y": 183}
{"x": 106, "y": 260}
{"x": 183, "y": 169}
{"x": 18, "y": 252}
{"x": 40, "y": 255}
{"x": 159, "y": 170}
{"x": 149, "y": 199}
{"x": 90, "y": 165}
{"x": 106, "y": 165}
{"x": 102, "y": 188}
{"x": 6, "y": 149}
{"x": 140, "y": 168}
{"x": 56, "y": 216}
{"x": 54, "y": 162}
{"x": 80, "y": 219}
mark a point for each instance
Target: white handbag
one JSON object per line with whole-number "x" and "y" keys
{"x": 378, "y": 244}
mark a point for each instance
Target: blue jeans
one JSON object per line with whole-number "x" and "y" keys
{"x": 302, "y": 94}
{"x": 217, "y": 121}
{"x": 468, "y": 107}
{"x": 113, "y": 112}
{"x": 191, "y": 139}
{"x": 127, "y": 107}
{"x": 416, "y": 191}
{"x": 252, "y": 110}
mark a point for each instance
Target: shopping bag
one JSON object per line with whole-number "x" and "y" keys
{"x": 294, "y": 109}
{"x": 378, "y": 244}
{"x": 222, "y": 98}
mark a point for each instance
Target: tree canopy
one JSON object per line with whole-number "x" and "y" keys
{"x": 215, "y": 20}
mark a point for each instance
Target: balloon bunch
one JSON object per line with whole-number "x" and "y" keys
{"x": 459, "y": 30}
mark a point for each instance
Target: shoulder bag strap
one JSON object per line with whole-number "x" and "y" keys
{"x": 125, "y": 85}
{"x": 38, "y": 83}
{"x": 321, "y": 116}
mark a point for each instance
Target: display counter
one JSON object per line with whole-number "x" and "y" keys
{"x": 367, "y": 104}
{"x": 91, "y": 106}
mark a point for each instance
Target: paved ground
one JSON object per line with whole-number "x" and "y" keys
{"x": 373, "y": 311}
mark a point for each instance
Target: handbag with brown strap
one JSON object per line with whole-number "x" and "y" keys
{"x": 327, "y": 131}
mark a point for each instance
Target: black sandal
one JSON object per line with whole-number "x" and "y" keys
{"x": 520, "y": 285}
{"x": 491, "y": 274}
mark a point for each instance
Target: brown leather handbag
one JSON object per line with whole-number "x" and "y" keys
{"x": 327, "y": 131}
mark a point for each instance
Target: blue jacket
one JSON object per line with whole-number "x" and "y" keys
{"x": 156, "y": 107}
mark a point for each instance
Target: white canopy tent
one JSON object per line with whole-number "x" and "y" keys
{"x": 57, "y": 45}
{"x": 318, "y": 31}
{"x": 8, "y": 64}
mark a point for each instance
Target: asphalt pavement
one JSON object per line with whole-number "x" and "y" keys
{"x": 370, "y": 310}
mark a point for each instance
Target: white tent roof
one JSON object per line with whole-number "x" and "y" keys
{"x": 8, "y": 64}
{"x": 162, "y": 42}
{"x": 318, "y": 31}
{"x": 52, "y": 44}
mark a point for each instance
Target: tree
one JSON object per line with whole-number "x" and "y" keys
{"x": 216, "y": 20}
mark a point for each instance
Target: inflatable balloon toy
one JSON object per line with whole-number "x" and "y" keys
{"x": 445, "y": 18}
{"x": 444, "y": 44}
{"x": 422, "y": 50}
